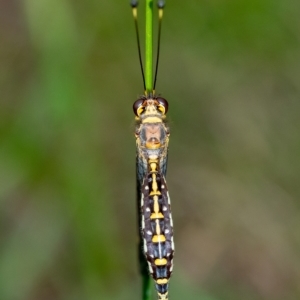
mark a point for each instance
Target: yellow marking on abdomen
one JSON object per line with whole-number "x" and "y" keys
{"x": 155, "y": 190}
{"x": 155, "y": 193}
{"x": 154, "y": 183}
{"x": 158, "y": 238}
{"x": 162, "y": 281}
{"x": 160, "y": 261}
{"x": 157, "y": 216}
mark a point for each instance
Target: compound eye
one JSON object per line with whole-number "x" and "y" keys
{"x": 162, "y": 105}
{"x": 138, "y": 107}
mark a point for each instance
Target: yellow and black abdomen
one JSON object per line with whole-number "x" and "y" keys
{"x": 157, "y": 228}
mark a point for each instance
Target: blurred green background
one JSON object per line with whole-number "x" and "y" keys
{"x": 69, "y": 75}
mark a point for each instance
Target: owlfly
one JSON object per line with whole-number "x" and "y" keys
{"x": 156, "y": 247}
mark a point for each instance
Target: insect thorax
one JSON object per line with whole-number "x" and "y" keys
{"x": 152, "y": 134}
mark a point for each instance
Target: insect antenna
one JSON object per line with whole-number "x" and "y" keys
{"x": 134, "y": 5}
{"x": 160, "y": 5}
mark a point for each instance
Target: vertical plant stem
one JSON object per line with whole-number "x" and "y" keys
{"x": 146, "y": 279}
{"x": 146, "y": 287}
{"x": 149, "y": 46}
{"x": 149, "y": 87}
{"x": 146, "y": 292}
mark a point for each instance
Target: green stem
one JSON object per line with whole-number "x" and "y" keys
{"x": 149, "y": 87}
{"x": 149, "y": 46}
{"x": 146, "y": 287}
{"x": 146, "y": 279}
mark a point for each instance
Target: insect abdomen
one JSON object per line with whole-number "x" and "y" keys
{"x": 157, "y": 230}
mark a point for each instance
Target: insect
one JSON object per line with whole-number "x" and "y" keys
{"x": 154, "y": 206}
